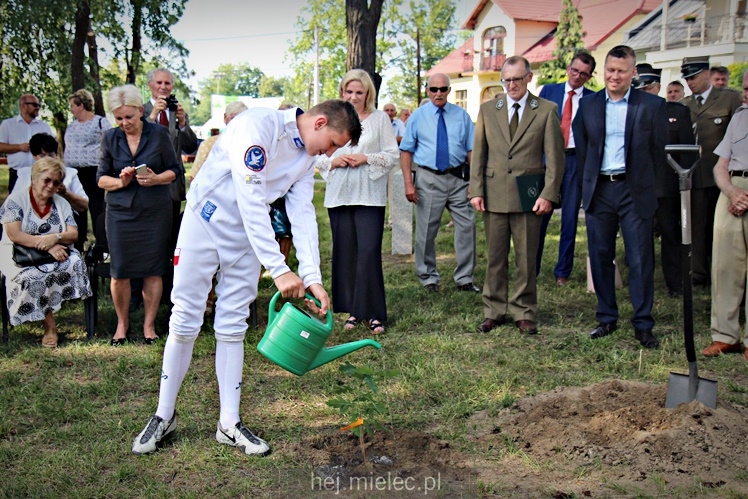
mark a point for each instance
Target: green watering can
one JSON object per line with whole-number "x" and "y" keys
{"x": 295, "y": 340}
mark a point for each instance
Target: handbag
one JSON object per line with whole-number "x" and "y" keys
{"x": 30, "y": 257}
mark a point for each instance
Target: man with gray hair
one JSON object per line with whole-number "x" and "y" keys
{"x": 439, "y": 140}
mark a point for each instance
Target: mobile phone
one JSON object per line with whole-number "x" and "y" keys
{"x": 141, "y": 169}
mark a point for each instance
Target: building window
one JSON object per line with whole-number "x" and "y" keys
{"x": 461, "y": 98}
{"x": 492, "y": 51}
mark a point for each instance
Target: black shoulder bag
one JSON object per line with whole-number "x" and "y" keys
{"x": 30, "y": 257}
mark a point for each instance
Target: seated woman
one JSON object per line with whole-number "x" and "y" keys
{"x": 138, "y": 163}
{"x": 39, "y": 218}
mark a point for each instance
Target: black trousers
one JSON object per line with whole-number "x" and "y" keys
{"x": 12, "y": 179}
{"x": 357, "y": 278}
{"x": 87, "y": 176}
{"x": 668, "y": 217}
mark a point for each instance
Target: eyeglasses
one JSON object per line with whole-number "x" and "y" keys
{"x": 55, "y": 183}
{"x": 434, "y": 90}
{"x": 35, "y": 104}
{"x": 576, "y": 72}
{"x": 507, "y": 81}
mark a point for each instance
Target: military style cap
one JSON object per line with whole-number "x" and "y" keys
{"x": 646, "y": 75}
{"x": 692, "y": 66}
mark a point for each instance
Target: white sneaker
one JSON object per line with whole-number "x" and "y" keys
{"x": 153, "y": 433}
{"x": 240, "y": 436}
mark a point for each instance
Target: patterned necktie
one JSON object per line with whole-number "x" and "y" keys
{"x": 442, "y": 143}
{"x": 162, "y": 119}
{"x": 699, "y": 100}
{"x": 566, "y": 118}
{"x": 514, "y": 122}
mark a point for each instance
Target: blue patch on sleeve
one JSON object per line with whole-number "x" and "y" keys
{"x": 208, "y": 210}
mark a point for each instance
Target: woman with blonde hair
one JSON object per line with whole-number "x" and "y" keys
{"x": 355, "y": 197}
{"x": 39, "y": 218}
{"x": 138, "y": 163}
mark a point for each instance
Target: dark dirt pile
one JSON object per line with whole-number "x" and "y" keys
{"x": 612, "y": 439}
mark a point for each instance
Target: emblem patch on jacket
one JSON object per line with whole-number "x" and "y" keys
{"x": 255, "y": 158}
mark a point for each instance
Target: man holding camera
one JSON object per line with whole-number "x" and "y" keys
{"x": 163, "y": 108}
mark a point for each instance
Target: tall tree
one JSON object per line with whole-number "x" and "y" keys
{"x": 568, "y": 38}
{"x": 362, "y": 19}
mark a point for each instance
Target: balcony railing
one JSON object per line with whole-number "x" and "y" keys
{"x": 702, "y": 31}
{"x": 487, "y": 63}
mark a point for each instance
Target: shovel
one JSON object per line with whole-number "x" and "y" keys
{"x": 682, "y": 388}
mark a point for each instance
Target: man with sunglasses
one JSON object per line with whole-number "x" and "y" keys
{"x": 439, "y": 140}
{"x": 15, "y": 133}
{"x": 566, "y": 96}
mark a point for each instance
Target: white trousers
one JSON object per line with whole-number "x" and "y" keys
{"x": 200, "y": 257}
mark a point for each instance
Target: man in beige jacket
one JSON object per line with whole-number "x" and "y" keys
{"x": 510, "y": 185}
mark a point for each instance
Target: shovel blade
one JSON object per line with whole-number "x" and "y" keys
{"x": 681, "y": 390}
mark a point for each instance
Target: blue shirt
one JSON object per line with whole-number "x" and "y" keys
{"x": 420, "y": 134}
{"x": 614, "y": 154}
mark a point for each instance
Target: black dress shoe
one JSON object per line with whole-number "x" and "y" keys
{"x": 488, "y": 324}
{"x": 603, "y": 330}
{"x": 118, "y": 342}
{"x": 646, "y": 338}
{"x": 150, "y": 341}
{"x": 432, "y": 288}
{"x": 472, "y": 288}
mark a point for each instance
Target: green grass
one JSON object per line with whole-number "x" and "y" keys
{"x": 68, "y": 416}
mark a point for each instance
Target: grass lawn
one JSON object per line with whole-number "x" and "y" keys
{"x": 68, "y": 416}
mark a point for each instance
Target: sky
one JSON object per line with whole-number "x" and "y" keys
{"x": 255, "y": 32}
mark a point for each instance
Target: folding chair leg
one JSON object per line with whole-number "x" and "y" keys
{"x": 253, "y": 313}
{"x": 5, "y": 313}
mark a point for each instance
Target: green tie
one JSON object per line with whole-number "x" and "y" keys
{"x": 514, "y": 123}
{"x": 699, "y": 100}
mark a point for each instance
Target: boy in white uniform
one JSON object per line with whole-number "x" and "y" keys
{"x": 262, "y": 155}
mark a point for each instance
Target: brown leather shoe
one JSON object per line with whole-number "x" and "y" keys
{"x": 527, "y": 327}
{"x": 488, "y": 324}
{"x": 562, "y": 281}
{"x": 718, "y": 348}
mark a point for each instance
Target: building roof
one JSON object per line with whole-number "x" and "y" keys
{"x": 600, "y": 19}
{"x": 455, "y": 60}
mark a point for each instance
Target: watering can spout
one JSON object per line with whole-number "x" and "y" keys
{"x": 331, "y": 353}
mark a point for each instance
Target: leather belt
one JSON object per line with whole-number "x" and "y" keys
{"x": 612, "y": 177}
{"x": 434, "y": 170}
{"x": 739, "y": 173}
{"x": 571, "y": 151}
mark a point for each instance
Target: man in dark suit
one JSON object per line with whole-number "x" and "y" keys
{"x": 159, "y": 110}
{"x": 620, "y": 135}
{"x": 513, "y": 135}
{"x": 566, "y": 96}
{"x": 668, "y": 193}
{"x": 711, "y": 111}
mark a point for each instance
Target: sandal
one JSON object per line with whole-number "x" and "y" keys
{"x": 350, "y": 323}
{"x": 50, "y": 339}
{"x": 375, "y": 326}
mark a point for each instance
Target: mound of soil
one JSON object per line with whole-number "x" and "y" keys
{"x": 611, "y": 439}
{"x": 616, "y": 438}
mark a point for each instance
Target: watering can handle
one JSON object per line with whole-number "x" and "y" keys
{"x": 272, "y": 311}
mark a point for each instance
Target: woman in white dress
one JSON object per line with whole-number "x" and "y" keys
{"x": 39, "y": 218}
{"x": 355, "y": 197}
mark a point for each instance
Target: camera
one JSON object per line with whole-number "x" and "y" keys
{"x": 171, "y": 103}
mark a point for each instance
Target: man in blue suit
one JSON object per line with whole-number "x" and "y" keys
{"x": 620, "y": 135}
{"x": 566, "y": 96}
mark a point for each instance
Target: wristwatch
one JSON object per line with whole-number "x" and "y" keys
{"x": 59, "y": 237}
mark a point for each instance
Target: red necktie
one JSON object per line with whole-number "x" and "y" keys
{"x": 566, "y": 118}
{"x": 162, "y": 119}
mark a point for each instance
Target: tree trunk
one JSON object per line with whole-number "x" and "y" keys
{"x": 362, "y": 21}
{"x": 82, "y": 15}
{"x": 93, "y": 56}
{"x": 133, "y": 63}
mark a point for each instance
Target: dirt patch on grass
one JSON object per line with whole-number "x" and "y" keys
{"x": 612, "y": 439}
{"x": 615, "y": 438}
